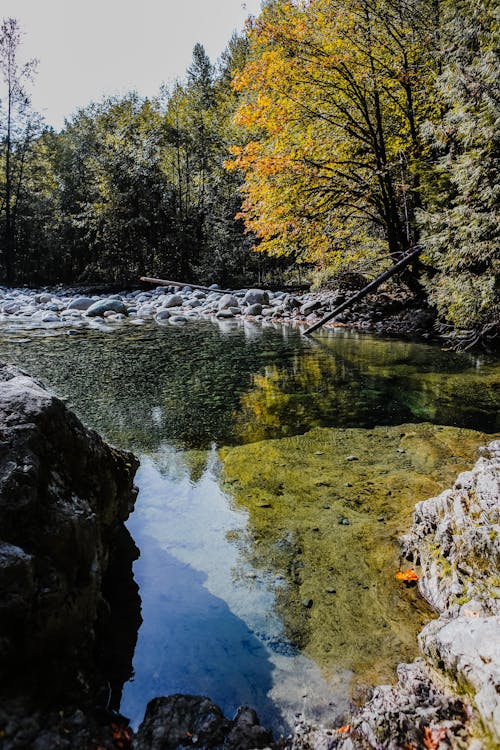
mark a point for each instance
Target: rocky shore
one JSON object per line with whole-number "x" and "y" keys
{"x": 390, "y": 311}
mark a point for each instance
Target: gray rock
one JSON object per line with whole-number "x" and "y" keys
{"x": 104, "y": 305}
{"x": 468, "y": 649}
{"x": 310, "y": 307}
{"x": 255, "y": 309}
{"x": 81, "y": 303}
{"x": 50, "y": 318}
{"x": 256, "y": 296}
{"x": 174, "y": 300}
{"x": 225, "y": 314}
{"x": 11, "y": 308}
{"x": 177, "y": 319}
{"x": 169, "y": 721}
{"x": 163, "y": 315}
{"x": 226, "y": 301}
{"x": 43, "y": 298}
{"x": 64, "y": 497}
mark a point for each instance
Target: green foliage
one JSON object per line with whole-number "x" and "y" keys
{"x": 357, "y": 128}
{"x": 461, "y": 223}
{"x": 133, "y": 186}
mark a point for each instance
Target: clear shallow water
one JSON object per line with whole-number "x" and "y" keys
{"x": 226, "y": 563}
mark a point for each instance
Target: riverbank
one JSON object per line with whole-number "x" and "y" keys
{"x": 387, "y": 312}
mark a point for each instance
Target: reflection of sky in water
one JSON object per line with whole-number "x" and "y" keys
{"x": 209, "y": 626}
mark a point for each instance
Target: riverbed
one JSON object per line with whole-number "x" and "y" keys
{"x": 276, "y": 475}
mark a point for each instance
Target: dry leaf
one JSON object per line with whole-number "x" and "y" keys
{"x": 408, "y": 576}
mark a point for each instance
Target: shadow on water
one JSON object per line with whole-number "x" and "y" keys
{"x": 191, "y": 642}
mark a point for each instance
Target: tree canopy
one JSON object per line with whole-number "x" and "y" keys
{"x": 333, "y": 133}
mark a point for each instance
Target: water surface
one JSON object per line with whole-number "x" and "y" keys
{"x": 267, "y": 568}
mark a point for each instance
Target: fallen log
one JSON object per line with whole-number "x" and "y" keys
{"x": 396, "y": 268}
{"x": 181, "y": 284}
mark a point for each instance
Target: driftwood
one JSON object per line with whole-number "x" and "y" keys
{"x": 396, "y": 268}
{"x": 180, "y": 284}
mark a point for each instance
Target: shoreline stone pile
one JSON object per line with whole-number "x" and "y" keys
{"x": 174, "y": 306}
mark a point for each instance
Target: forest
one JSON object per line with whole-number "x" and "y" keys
{"x": 331, "y": 136}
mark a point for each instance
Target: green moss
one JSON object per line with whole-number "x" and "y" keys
{"x": 329, "y": 527}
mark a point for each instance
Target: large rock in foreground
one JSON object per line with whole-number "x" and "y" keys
{"x": 64, "y": 495}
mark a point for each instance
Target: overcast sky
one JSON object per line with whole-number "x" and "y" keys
{"x": 92, "y": 48}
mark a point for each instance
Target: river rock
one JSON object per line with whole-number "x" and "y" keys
{"x": 228, "y": 300}
{"x": 163, "y": 315}
{"x": 254, "y": 296}
{"x": 11, "y": 308}
{"x": 102, "y": 306}
{"x": 309, "y": 307}
{"x": 50, "y": 317}
{"x": 254, "y": 309}
{"x": 43, "y": 298}
{"x": 81, "y": 303}
{"x": 174, "y": 300}
{"x": 169, "y": 721}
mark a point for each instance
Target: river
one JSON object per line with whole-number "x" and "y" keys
{"x": 277, "y": 473}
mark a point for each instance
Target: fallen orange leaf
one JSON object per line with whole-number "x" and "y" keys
{"x": 345, "y": 728}
{"x": 409, "y": 746}
{"x": 433, "y": 737}
{"x": 407, "y": 576}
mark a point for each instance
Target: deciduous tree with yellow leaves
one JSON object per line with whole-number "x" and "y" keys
{"x": 333, "y": 97}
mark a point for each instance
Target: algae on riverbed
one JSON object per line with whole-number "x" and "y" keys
{"x": 325, "y": 513}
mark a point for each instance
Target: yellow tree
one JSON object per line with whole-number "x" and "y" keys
{"x": 332, "y": 99}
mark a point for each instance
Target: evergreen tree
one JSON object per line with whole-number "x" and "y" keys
{"x": 462, "y": 221}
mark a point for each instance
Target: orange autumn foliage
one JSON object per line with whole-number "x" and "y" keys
{"x": 328, "y": 101}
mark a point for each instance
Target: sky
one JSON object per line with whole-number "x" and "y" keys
{"x": 88, "y": 49}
